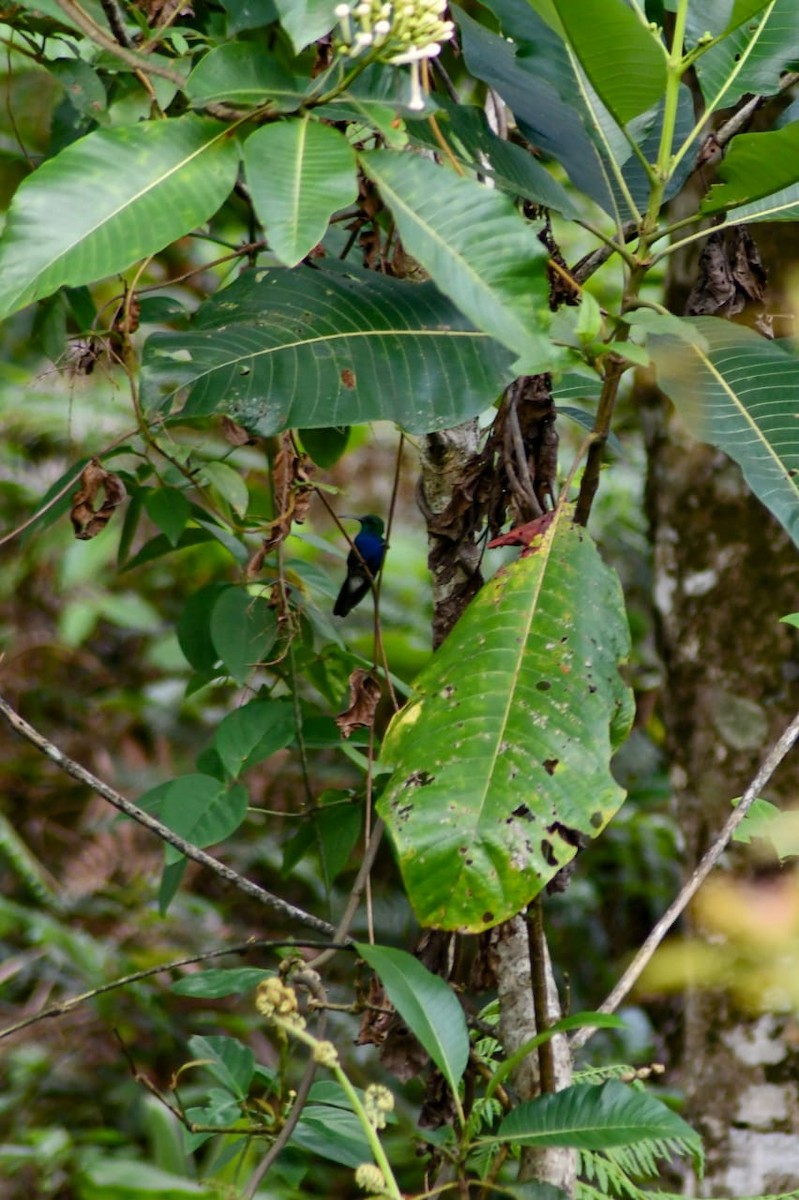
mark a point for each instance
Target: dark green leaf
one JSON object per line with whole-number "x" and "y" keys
{"x": 230, "y": 1062}
{"x": 167, "y": 178}
{"x": 244, "y": 74}
{"x": 427, "y": 1005}
{"x": 762, "y": 167}
{"x": 214, "y": 984}
{"x": 171, "y": 879}
{"x": 595, "y": 1118}
{"x": 253, "y": 732}
{"x": 511, "y": 168}
{"x": 739, "y": 395}
{"x": 748, "y": 62}
{"x": 243, "y": 630}
{"x": 83, "y": 85}
{"x": 194, "y": 627}
{"x": 161, "y": 545}
{"x": 624, "y": 60}
{"x": 550, "y": 123}
{"x": 326, "y": 446}
{"x": 169, "y": 510}
{"x": 475, "y": 245}
{"x": 199, "y": 808}
{"x": 310, "y": 348}
{"x": 248, "y": 14}
{"x": 305, "y": 21}
{"x": 332, "y": 1133}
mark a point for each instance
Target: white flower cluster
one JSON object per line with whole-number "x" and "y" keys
{"x": 397, "y": 33}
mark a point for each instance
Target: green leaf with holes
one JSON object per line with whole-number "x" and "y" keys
{"x": 109, "y": 199}
{"x": 739, "y": 394}
{"x": 502, "y": 756}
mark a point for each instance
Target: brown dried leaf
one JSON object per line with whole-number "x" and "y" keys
{"x": 375, "y": 1024}
{"x": 236, "y": 434}
{"x": 87, "y": 519}
{"x": 732, "y": 280}
{"x": 293, "y": 491}
{"x": 364, "y": 698}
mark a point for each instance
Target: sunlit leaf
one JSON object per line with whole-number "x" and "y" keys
{"x": 624, "y": 59}
{"x": 299, "y": 173}
{"x": 502, "y": 756}
{"x": 75, "y": 219}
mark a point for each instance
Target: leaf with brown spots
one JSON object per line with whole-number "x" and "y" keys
{"x": 87, "y": 515}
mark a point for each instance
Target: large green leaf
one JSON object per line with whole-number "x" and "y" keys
{"x": 109, "y": 199}
{"x": 762, "y": 168}
{"x": 244, "y": 74}
{"x": 597, "y": 1118}
{"x": 427, "y": 1005}
{"x": 475, "y": 245}
{"x": 550, "y": 123}
{"x": 310, "y": 348}
{"x": 299, "y": 173}
{"x": 510, "y": 167}
{"x": 624, "y": 60}
{"x": 757, "y": 69}
{"x": 740, "y": 395}
{"x": 501, "y": 758}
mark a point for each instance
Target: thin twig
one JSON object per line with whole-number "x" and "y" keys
{"x": 630, "y": 977}
{"x": 116, "y": 22}
{"x": 538, "y": 974}
{"x": 63, "y": 1007}
{"x": 98, "y": 35}
{"x": 289, "y": 911}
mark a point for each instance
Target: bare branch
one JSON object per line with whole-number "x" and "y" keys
{"x": 62, "y": 1007}
{"x": 97, "y": 34}
{"x": 289, "y": 911}
{"x": 630, "y": 977}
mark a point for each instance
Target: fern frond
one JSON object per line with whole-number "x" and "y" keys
{"x": 26, "y": 865}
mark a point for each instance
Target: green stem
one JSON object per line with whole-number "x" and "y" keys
{"x": 378, "y": 1153}
{"x": 725, "y": 87}
{"x": 664, "y": 166}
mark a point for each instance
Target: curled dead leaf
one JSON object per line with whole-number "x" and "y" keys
{"x": 364, "y": 698}
{"x": 88, "y": 517}
{"x": 236, "y": 434}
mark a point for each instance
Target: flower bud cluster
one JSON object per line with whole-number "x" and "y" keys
{"x": 371, "y": 1179}
{"x": 399, "y": 33}
{"x": 274, "y": 998}
{"x": 378, "y": 1101}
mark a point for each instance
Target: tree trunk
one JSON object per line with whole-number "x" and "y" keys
{"x": 725, "y": 572}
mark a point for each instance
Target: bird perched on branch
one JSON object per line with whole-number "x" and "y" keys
{"x": 363, "y": 564}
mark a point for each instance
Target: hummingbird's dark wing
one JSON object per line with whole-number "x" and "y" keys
{"x": 355, "y": 586}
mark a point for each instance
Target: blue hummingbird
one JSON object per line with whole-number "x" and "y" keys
{"x": 363, "y": 564}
